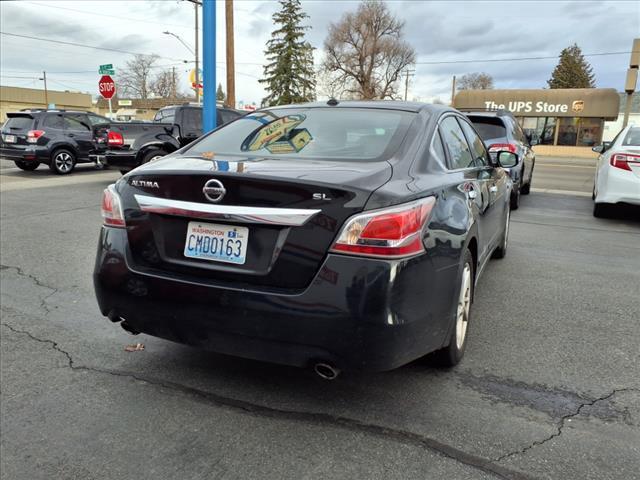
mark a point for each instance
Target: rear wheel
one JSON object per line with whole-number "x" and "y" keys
{"x": 601, "y": 210}
{"x": 153, "y": 155}
{"x": 451, "y": 355}
{"x": 63, "y": 161}
{"x": 515, "y": 198}
{"x": 526, "y": 189}
{"x": 27, "y": 166}
{"x": 501, "y": 251}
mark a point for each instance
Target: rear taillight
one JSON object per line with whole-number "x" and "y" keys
{"x": 112, "y": 208}
{"x": 498, "y": 147}
{"x": 34, "y": 135}
{"x": 622, "y": 160}
{"x": 390, "y": 232}
{"x": 115, "y": 139}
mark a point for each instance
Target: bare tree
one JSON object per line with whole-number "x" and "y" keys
{"x": 475, "y": 81}
{"x": 164, "y": 84}
{"x": 134, "y": 80}
{"x": 365, "y": 52}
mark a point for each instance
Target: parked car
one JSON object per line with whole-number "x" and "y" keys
{"x": 500, "y": 131}
{"x": 617, "y": 172}
{"x": 342, "y": 236}
{"x": 58, "y": 138}
{"x": 127, "y": 145}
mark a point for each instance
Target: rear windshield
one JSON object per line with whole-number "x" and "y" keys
{"x": 310, "y": 133}
{"x": 18, "y": 123}
{"x": 632, "y": 138}
{"x": 488, "y": 127}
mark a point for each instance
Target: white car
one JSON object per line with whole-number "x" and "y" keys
{"x": 618, "y": 171}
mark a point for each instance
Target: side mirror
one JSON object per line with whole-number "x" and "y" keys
{"x": 598, "y": 148}
{"x": 533, "y": 142}
{"x": 507, "y": 159}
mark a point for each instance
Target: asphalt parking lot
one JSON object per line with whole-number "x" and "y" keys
{"x": 549, "y": 386}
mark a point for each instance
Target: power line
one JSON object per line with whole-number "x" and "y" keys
{"x": 111, "y": 16}
{"x": 84, "y": 45}
{"x": 516, "y": 59}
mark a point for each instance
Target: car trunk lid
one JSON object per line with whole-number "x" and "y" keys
{"x": 293, "y": 210}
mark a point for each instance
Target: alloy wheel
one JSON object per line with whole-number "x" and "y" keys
{"x": 464, "y": 305}
{"x": 64, "y": 162}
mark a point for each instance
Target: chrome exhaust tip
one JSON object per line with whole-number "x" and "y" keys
{"x": 326, "y": 371}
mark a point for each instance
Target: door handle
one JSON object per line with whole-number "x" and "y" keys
{"x": 70, "y": 135}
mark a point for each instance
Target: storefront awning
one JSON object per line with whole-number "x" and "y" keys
{"x": 570, "y": 102}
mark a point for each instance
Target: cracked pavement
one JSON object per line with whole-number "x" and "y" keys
{"x": 549, "y": 387}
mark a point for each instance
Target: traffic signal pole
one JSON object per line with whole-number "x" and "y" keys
{"x": 209, "y": 65}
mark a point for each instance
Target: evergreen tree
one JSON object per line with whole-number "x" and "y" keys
{"x": 220, "y": 96}
{"x": 572, "y": 71}
{"x": 289, "y": 73}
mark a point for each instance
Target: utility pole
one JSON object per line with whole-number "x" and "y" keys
{"x": 453, "y": 89}
{"x": 406, "y": 82}
{"x": 174, "y": 91}
{"x": 46, "y": 92}
{"x": 197, "y": 75}
{"x": 231, "y": 73}
{"x": 632, "y": 79}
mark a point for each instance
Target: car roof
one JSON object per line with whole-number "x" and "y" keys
{"x": 372, "y": 104}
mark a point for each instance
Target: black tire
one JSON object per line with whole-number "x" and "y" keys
{"x": 152, "y": 154}
{"x": 501, "y": 251}
{"x": 601, "y": 210}
{"x": 451, "y": 355}
{"x": 515, "y": 198}
{"x": 63, "y": 161}
{"x": 26, "y": 166}
{"x": 526, "y": 189}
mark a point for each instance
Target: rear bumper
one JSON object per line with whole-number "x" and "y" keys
{"x": 28, "y": 154}
{"x": 125, "y": 160}
{"x": 358, "y": 314}
{"x": 618, "y": 186}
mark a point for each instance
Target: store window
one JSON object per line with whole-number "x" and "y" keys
{"x": 568, "y": 131}
{"x": 590, "y": 132}
{"x": 539, "y": 129}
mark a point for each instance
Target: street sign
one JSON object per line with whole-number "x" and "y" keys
{"x": 106, "y": 87}
{"x": 106, "y": 69}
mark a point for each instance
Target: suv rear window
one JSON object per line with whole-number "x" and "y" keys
{"x": 19, "y": 123}
{"x": 311, "y": 133}
{"x": 489, "y": 127}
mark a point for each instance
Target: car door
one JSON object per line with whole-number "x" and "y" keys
{"x": 475, "y": 181}
{"x": 191, "y": 125}
{"x": 78, "y": 130}
{"x": 495, "y": 180}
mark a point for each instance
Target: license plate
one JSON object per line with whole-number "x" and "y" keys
{"x": 218, "y": 243}
{"x": 9, "y": 138}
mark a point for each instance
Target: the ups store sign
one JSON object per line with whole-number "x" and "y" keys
{"x": 570, "y": 102}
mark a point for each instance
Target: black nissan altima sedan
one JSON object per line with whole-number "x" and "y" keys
{"x": 338, "y": 235}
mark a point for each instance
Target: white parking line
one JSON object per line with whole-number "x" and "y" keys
{"x": 561, "y": 192}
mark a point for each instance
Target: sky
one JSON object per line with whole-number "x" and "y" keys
{"x": 469, "y": 33}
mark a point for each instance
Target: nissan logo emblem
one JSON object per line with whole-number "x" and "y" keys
{"x": 214, "y": 190}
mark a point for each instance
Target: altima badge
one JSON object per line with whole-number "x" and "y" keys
{"x": 214, "y": 190}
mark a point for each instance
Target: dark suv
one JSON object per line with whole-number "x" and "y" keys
{"x": 58, "y": 138}
{"x": 500, "y": 131}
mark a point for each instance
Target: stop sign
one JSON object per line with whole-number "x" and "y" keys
{"x": 107, "y": 86}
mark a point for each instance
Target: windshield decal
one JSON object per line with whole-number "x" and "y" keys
{"x": 272, "y": 132}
